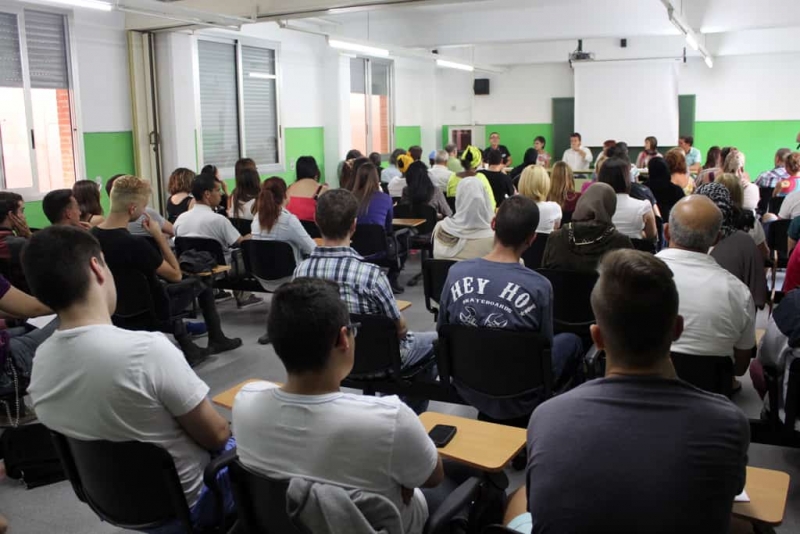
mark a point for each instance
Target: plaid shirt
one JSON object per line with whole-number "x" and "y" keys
{"x": 771, "y": 178}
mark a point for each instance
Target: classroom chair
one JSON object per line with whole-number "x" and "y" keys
{"x": 269, "y": 260}
{"x": 312, "y": 229}
{"x": 130, "y": 484}
{"x": 572, "y": 306}
{"x": 711, "y": 373}
{"x": 645, "y": 245}
{"x": 370, "y": 241}
{"x": 239, "y": 282}
{"x": 535, "y": 253}
{"x": 421, "y": 236}
{"x": 434, "y": 276}
{"x": 243, "y": 226}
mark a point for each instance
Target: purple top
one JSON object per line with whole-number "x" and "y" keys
{"x": 379, "y": 211}
{"x": 4, "y": 286}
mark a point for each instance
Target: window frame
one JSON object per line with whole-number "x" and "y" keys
{"x": 238, "y": 42}
{"x": 368, "y": 88}
{"x": 18, "y": 8}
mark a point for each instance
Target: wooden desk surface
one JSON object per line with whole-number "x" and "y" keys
{"x": 408, "y": 223}
{"x": 225, "y": 399}
{"x": 219, "y": 269}
{"x": 403, "y": 305}
{"x": 482, "y": 445}
{"x": 767, "y": 490}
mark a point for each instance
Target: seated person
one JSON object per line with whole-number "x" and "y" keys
{"x": 87, "y": 193}
{"x": 420, "y": 191}
{"x": 125, "y": 252}
{"x": 180, "y": 193}
{"x": 640, "y": 413}
{"x": 93, "y": 381}
{"x": 202, "y": 221}
{"x": 471, "y": 160}
{"x": 534, "y": 184}
{"x": 581, "y": 244}
{"x": 373, "y": 444}
{"x": 398, "y": 183}
{"x": 363, "y": 286}
{"x": 274, "y": 222}
{"x": 712, "y": 299}
{"x": 467, "y": 234}
{"x": 242, "y": 202}
{"x": 391, "y": 171}
{"x": 502, "y": 186}
{"x": 634, "y": 218}
{"x": 305, "y": 191}
{"x": 137, "y": 227}
{"x": 61, "y": 207}
{"x": 496, "y": 291}
{"x": 14, "y": 234}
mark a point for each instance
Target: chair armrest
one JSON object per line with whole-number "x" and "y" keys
{"x": 210, "y": 474}
{"x": 595, "y": 363}
{"x": 455, "y": 502}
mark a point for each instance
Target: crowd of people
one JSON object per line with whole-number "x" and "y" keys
{"x": 693, "y": 287}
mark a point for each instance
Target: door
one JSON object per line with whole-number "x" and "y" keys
{"x": 563, "y": 125}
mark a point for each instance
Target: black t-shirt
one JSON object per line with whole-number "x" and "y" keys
{"x": 125, "y": 251}
{"x": 501, "y": 185}
{"x": 503, "y": 150}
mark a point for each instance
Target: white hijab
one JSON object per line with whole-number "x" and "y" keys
{"x": 473, "y": 218}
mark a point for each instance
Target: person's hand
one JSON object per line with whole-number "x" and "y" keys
{"x": 152, "y": 228}
{"x": 407, "y": 494}
{"x": 84, "y": 225}
{"x": 19, "y": 225}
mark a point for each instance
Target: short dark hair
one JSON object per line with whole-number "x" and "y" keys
{"x": 375, "y": 158}
{"x": 336, "y": 211}
{"x": 56, "y": 264}
{"x": 304, "y": 322}
{"x": 306, "y": 167}
{"x": 637, "y": 332}
{"x": 202, "y": 183}
{"x": 516, "y": 220}
{"x": 353, "y": 154}
{"x": 541, "y": 139}
{"x": 576, "y": 134}
{"x": 110, "y": 182}
{"x": 396, "y": 154}
{"x": 494, "y": 157}
{"x": 616, "y": 172}
{"x": 9, "y": 201}
{"x": 54, "y": 204}
{"x": 688, "y": 139}
{"x": 415, "y": 152}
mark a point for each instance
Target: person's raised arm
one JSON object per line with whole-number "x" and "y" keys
{"x": 16, "y": 303}
{"x": 208, "y": 428}
{"x": 169, "y": 269}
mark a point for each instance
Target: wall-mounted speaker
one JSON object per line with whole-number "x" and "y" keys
{"x": 481, "y": 86}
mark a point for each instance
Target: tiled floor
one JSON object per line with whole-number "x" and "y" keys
{"x": 56, "y": 509}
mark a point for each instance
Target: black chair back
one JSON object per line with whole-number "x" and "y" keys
{"x": 434, "y": 276}
{"x": 369, "y": 240}
{"x": 775, "y": 204}
{"x": 572, "y": 307}
{"x": 422, "y": 211}
{"x": 711, "y": 373}
{"x": 268, "y": 260}
{"x": 130, "y": 484}
{"x": 243, "y": 226}
{"x": 377, "y": 352}
{"x": 777, "y": 241}
{"x": 792, "y": 401}
{"x": 645, "y": 245}
{"x": 312, "y": 229}
{"x": 135, "y": 307}
{"x": 500, "y": 363}
{"x": 765, "y": 195}
{"x": 533, "y": 256}
{"x": 451, "y": 201}
{"x": 261, "y": 502}
{"x": 211, "y": 246}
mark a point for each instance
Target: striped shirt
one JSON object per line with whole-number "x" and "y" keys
{"x": 771, "y": 178}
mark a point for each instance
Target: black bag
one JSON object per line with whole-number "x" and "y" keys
{"x": 30, "y": 456}
{"x": 197, "y": 261}
{"x": 15, "y": 375}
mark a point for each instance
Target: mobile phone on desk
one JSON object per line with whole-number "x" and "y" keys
{"x": 442, "y": 434}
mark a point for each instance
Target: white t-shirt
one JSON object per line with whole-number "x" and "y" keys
{"x": 201, "y": 221}
{"x": 356, "y": 441}
{"x": 549, "y": 215}
{"x": 751, "y": 196}
{"x": 245, "y": 210}
{"x": 717, "y": 308}
{"x": 440, "y": 176}
{"x": 791, "y": 206}
{"x": 629, "y": 217}
{"x": 396, "y": 186}
{"x": 578, "y": 160}
{"x": 102, "y": 382}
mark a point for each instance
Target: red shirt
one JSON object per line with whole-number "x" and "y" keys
{"x": 303, "y": 208}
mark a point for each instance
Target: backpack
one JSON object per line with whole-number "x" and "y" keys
{"x": 197, "y": 261}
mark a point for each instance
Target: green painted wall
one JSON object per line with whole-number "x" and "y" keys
{"x": 519, "y": 137}
{"x": 759, "y": 140}
{"x": 407, "y": 136}
{"x": 107, "y": 154}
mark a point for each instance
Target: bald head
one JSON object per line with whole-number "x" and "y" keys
{"x": 694, "y": 224}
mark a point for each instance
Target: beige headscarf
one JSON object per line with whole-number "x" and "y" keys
{"x": 473, "y": 218}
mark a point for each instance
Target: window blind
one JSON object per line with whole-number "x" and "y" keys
{"x": 260, "y": 105}
{"x": 46, "y": 41}
{"x": 10, "y": 56}
{"x": 218, "y": 103}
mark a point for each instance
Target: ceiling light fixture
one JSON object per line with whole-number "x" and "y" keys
{"x": 709, "y": 62}
{"x": 453, "y": 65}
{"x": 355, "y": 47}
{"x": 691, "y": 41}
{"x": 91, "y": 4}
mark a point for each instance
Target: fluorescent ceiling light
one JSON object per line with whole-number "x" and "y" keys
{"x": 355, "y": 47}
{"x": 91, "y": 4}
{"x": 453, "y": 65}
{"x": 709, "y": 62}
{"x": 690, "y": 39}
{"x": 261, "y": 75}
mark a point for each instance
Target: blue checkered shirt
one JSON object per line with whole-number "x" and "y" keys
{"x": 771, "y": 178}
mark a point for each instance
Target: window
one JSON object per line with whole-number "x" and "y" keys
{"x": 238, "y": 85}
{"x": 37, "y": 132}
{"x": 370, "y": 105}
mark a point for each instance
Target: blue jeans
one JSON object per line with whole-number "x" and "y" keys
{"x": 204, "y": 512}
{"x": 567, "y": 356}
{"x": 419, "y": 349}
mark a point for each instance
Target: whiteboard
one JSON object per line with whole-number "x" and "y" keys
{"x": 627, "y": 101}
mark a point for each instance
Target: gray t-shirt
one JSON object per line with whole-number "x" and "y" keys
{"x": 136, "y": 227}
{"x": 635, "y": 454}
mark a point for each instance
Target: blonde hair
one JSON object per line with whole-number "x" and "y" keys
{"x": 563, "y": 183}
{"x": 181, "y": 181}
{"x": 129, "y": 190}
{"x": 734, "y": 186}
{"x": 734, "y": 162}
{"x": 534, "y": 183}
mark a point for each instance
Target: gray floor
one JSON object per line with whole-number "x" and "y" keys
{"x": 56, "y": 509}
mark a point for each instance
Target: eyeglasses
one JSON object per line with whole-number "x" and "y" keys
{"x": 353, "y": 328}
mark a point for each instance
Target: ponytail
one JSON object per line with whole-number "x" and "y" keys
{"x": 270, "y": 198}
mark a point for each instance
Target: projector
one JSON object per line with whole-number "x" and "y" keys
{"x": 581, "y": 56}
